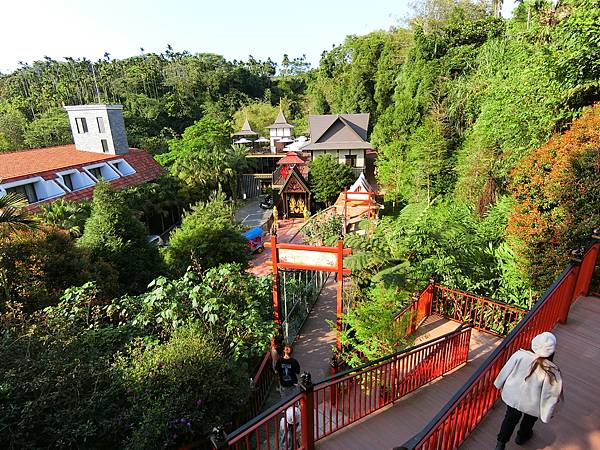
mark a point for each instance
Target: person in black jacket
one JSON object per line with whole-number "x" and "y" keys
{"x": 288, "y": 369}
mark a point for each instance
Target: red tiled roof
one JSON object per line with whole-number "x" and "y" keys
{"x": 27, "y": 163}
{"x": 291, "y": 158}
{"x": 62, "y": 158}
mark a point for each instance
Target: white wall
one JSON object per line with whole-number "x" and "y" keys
{"x": 340, "y": 155}
{"x": 80, "y": 180}
{"x": 91, "y": 141}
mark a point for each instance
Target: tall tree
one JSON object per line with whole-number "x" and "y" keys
{"x": 328, "y": 178}
{"x": 112, "y": 233}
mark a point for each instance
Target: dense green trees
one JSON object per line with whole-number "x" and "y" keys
{"x": 162, "y": 93}
{"x": 208, "y": 236}
{"x": 204, "y": 160}
{"x": 328, "y": 178}
{"x": 557, "y": 190}
{"x": 160, "y": 369}
{"x": 113, "y": 234}
{"x": 48, "y": 129}
{"x": 36, "y": 266}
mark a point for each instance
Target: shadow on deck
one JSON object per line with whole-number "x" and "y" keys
{"x": 576, "y": 426}
{"x": 400, "y": 421}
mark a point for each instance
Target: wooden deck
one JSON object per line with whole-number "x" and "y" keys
{"x": 576, "y": 426}
{"x": 397, "y": 423}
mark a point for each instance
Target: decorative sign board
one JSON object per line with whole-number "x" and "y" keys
{"x": 309, "y": 259}
{"x": 358, "y": 196}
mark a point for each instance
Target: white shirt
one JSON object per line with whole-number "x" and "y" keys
{"x": 536, "y": 396}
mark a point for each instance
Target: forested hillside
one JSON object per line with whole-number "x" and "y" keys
{"x": 488, "y": 139}
{"x": 162, "y": 93}
{"x": 458, "y": 100}
{"x": 461, "y": 102}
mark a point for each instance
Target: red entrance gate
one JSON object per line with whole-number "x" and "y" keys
{"x": 307, "y": 257}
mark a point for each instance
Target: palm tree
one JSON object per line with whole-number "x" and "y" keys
{"x": 12, "y": 213}
{"x": 65, "y": 215}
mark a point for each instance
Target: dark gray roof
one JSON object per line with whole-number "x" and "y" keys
{"x": 281, "y": 121}
{"x": 246, "y": 130}
{"x": 338, "y": 132}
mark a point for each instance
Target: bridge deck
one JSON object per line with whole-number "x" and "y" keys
{"x": 576, "y": 426}
{"x": 397, "y": 423}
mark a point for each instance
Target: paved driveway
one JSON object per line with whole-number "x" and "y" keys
{"x": 251, "y": 214}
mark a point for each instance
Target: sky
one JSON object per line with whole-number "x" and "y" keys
{"x": 32, "y": 29}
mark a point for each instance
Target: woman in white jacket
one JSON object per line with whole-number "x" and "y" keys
{"x": 531, "y": 387}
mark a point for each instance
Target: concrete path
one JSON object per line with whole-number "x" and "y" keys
{"x": 314, "y": 344}
{"x": 251, "y": 214}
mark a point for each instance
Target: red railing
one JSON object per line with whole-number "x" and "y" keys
{"x": 354, "y": 394}
{"x": 417, "y": 310}
{"x": 466, "y": 409}
{"x": 586, "y": 272}
{"x": 351, "y": 395}
{"x": 261, "y": 384}
{"x": 270, "y": 429}
{"x": 484, "y": 314}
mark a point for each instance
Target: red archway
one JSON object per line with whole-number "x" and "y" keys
{"x": 308, "y": 257}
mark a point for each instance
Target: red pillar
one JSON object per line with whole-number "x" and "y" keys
{"x": 274, "y": 260}
{"x": 345, "y": 209}
{"x": 340, "y": 290}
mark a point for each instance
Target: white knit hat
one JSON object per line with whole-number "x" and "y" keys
{"x": 543, "y": 344}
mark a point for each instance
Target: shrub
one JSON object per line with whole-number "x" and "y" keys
{"x": 233, "y": 306}
{"x": 180, "y": 389}
{"x": 557, "y": 190}
{"x": 207, "y": 237}
{"x": 57, "y": 389}
{"x": 113, "y": 234}
{"x": 37, "y": 265}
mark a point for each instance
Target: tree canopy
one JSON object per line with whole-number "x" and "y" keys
{"x": 328, "y": 178}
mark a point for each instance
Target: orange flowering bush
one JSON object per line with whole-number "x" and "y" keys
{"x": 557, "y": 189}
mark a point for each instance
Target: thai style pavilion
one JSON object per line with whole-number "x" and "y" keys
{"x": 294, "y": 193}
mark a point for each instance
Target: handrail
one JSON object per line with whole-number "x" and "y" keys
{"x": 261, "y": 383}
{"x": 473, "y": 400}
{"x": 481, "y": 297}
{"x": 487, "y": 315}
{"x": 339, "y": 375}
{"x": 341, "y": 401}
{"x": 451, "y": 350}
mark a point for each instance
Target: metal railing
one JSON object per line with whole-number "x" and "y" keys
{"x": 320, "y": 410}
{"x": 461, "y": 415}
{"x": 491, "y": 316}
{"x": 356, "y": 393}
{"x": 261, "y": 386}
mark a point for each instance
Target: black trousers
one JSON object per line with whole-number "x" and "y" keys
{"x": 511, "y": 419}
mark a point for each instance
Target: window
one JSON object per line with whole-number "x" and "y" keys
{"x": 81, "y": 125}
{"x": 100, "y": 122}
{"x": 68, "y": 181}
{"x": 104, "y": 143}
{"x": 27, "y": 190}
{"x": 351, "y": 160}
{"x": 116, "y": 166}
{"x": 97, "y": 172}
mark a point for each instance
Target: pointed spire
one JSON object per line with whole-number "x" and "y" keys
{"x": 246, "y": 126}
{"x": 281, "y": 121}
{"x": 246, "y": 130}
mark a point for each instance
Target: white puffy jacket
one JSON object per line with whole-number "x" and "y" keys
{"x": 536, "y": 396}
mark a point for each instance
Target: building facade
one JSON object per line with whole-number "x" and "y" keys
{"x": 343, "y": 136}
{"x": 100, "y": 152}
